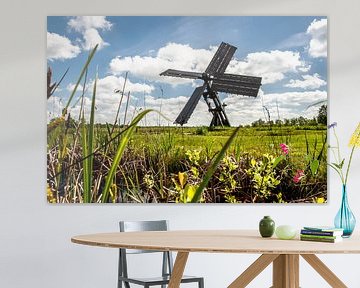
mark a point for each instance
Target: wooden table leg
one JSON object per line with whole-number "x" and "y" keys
{"x": 324, "y": 271}
{"x": 286, "y": 271}
{"x": 253, "y": 270}
{"x": 178, "y": 270}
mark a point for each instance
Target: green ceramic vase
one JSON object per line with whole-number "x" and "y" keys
{"x": 266, "y": 227}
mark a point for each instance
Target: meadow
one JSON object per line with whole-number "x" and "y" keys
{"x": 167, "y": 164}
{"x": 90, "y": 162}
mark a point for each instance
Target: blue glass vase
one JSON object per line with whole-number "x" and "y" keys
{"x": 345, "y": 219}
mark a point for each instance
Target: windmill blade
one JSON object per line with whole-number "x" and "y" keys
{"x": 190, "y": 106}
{"x": 237, "y": 84}
{"x": 181, "y": 74}
{"x": 232, "y": 89}
{"x": 221, "y": 59}
{"x": 239, "y": 78}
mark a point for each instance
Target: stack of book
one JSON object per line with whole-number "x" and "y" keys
{"x": 321, "y": 234}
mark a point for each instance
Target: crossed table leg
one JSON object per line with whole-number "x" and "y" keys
{"x": 285, "y": 270}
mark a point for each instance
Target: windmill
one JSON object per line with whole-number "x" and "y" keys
{"x": 215, "y": 80}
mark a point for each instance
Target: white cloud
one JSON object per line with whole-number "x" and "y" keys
{"x": 272, "y": 66}
{"x": 54, "y": 107}
{"x": 171, "y": 56}
{"x": 107, "y": 99}
{"x": 91, "y": 38}
{"x": 245, "y": 110}
{"x": 305, "y": 68}
{"x": 81, "y": 23}
{"x": 170, "y": 109}
{"x": 296, "y": 101}
{"x": 318, "y": 43}
{"x": 106, "y": 107}
{"x": 308, "y": 82}
{"x": 60, "y": 47}
{"x": 70, "y": 87}
{"x": 111, "y": 83}
{"x": 89, "y": 27}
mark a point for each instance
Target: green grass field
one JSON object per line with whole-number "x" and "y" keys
{"x": 253, "y": 140}
{"x": 161, "y": 164}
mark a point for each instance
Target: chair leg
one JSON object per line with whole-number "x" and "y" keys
{"x": 201, "y": 283}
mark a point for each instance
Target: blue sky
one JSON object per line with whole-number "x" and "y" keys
{"x": 290, "y": 53}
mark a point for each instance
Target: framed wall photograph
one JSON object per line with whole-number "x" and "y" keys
{"x": 170, "y": 109}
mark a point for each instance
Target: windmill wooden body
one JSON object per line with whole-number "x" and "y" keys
{"x": 216, "y": 80}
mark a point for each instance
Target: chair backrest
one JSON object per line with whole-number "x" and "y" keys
{"x": 155, "y": 225}
{"x": 134, "y": 226}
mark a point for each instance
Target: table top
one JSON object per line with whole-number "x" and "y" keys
{"x": 216, "y": 241}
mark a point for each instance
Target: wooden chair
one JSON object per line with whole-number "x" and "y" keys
{"x": 167, "y": 263}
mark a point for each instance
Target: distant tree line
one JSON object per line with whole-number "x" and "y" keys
{"x": 320, "y": 119}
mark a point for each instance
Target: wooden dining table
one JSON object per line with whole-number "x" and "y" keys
{"x": 283, "y": 254}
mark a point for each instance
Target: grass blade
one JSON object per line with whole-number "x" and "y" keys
{"x": 88, "y": 148}
{"x": 120, "y": 150}
{"x": 213, "y": 166}
{"x": 85, "y": 163}
{"x": 91, "y": 55}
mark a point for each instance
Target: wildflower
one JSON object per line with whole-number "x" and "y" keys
{"x": 319, "y": 200}
{"x": 149, "y": 180}
{"x": 50, "y": 195}
{"x": 298, "y": 176}
{"x": 284, "y": 148}
{"x": 355, "y": 138}
{"x": 339, "y": 164}
{"x": 332, "y": 125}
{"x": 182, "y": 179}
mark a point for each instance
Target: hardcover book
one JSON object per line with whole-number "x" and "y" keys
{"x": 323, "y": 228}
{"x": 323, "y": 239}
{"x": 321, "y": 232}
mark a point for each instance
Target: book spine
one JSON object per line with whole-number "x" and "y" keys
{"x": 320, "y": 233}
{"x": 318, "y": 239}
{"x": 322, "y": 229}
{"x": 319, "y": 236}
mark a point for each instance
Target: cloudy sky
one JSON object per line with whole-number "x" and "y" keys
{"x": 289, "y": 53}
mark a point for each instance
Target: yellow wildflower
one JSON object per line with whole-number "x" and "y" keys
{"x": 182, "y": 179}
{"x": 355, "y": 138}
{"x": 320, "y": 200}
{"x": 50, "y": 195}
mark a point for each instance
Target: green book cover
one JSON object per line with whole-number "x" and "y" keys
{"x": 319, "y": 236}
{"x": 337, "y": 239}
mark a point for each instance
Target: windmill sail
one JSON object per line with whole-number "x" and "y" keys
{"x": 221, "y": 59}
{"x": 181, "y": 74}
{"x": 190, "y": 106}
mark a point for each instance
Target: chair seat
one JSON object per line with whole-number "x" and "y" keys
{"x": 158, "y": 280}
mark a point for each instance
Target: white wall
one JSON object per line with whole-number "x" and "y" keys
{"x": 35, "y": 248}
